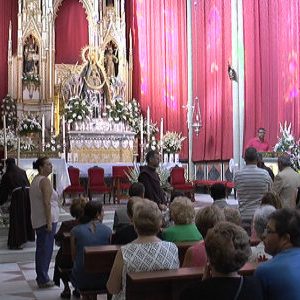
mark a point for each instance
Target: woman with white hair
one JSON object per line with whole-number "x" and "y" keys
{"x": 260, "y": 220}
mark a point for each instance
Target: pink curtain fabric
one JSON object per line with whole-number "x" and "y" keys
{"x": 71, "y": 32}
{"x": 211, "y": 53}
{"x": 160, "y": 61}
{"x": 8, "y": 12}
{"x": 271, "y": 39}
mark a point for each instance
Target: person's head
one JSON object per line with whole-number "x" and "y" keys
{"x": 92, "y": 210}
{"x": 10, "y": 163}
{"x": 284, "y": 161}
{"x": 218, "y": 191}
{"x": 251, "y": 156}
{"x": 152, "y": 159}
{"x": 77, "y": 207}
{"x": 260, "y": 161}
{"x": 175, "y": 194}
{"x": 43, "y": 165}
{"x": 132, "y": 201}
{"x": 261, "y": 218}
{"x": 208, "y": 217}
{"x": 182, "y": 211}
{"x": 232, "y": 215}
{"x": 227, "y": 247}
{"x": 261, "y": 132}
{"x": 137, "y": 189}
{"x": 147, "y": 217}
{"x": 271, "y": 198}
{"x": 282, "y": 231}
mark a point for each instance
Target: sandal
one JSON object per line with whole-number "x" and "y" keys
{"x": 65, "y": 294}
{"x": 76, "y": 293}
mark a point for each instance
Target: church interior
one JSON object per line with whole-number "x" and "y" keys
{"x": 96, "y": 85}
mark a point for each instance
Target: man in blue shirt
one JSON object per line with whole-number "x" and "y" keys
{"x": 280, "y": 275}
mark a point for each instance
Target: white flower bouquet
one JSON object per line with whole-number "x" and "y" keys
{"x": 31, "y": 78}
{"x": 11, "y": 139}
{"x": 77, "y": 109}
{"x": 172, "y": 142}
{"x": 9, "y": 109}
{"x": 53, "y": 145}
{"x": 29, "y": 125}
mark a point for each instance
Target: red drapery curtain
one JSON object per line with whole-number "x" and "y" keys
{"x": 271, "y": 39}
{"x": 160, "y": 60}
{"x": 71, "y": 32}
{"x": 8, "y": 12}
{"x": 211, "y": 52}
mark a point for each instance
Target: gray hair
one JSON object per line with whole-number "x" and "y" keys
{"x": 285, "y": 160}
{"x": 261, "y": 218}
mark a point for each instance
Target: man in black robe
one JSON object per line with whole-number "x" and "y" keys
{"x": 150, "y": 179}
{"x": 15, "y": 186}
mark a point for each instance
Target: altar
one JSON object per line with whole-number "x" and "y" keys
{"x": 105, "y": 147}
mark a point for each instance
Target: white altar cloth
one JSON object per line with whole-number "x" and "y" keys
{"x": 59, "y": 169}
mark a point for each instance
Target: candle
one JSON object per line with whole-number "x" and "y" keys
{"x": 18, "y": 152}
{"x": 43, "y": 132}
{"x": 4, "y": 137}
{"x": 161, "y": 135}
{"x": 64, "y": 134}
{"x": 52, "y": 118}
{"x": 148, "y": 125}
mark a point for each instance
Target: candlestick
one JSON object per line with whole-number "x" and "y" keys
{"x": 18, "y": 151}
{"x": 4, "y": 137}
{"x": 148, "y": 125}
{"x": 161, "y": 135}
{"x": 43, "y": 132}
{"x": 142, "y": 137}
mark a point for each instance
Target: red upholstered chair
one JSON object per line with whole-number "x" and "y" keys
{"x": 96, "y": 184}
{"x": 121, "y": 183}
{"x": 75, "y": 187}
{"x": 179, "y": 183}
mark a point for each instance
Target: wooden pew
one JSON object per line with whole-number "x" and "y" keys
{"x": 168, "y": 284}
{"x": 182, "y": 248}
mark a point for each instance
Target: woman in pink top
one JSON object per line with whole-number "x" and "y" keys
{"x": 206, "y": 218}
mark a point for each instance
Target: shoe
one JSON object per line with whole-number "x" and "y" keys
{"x": 76, "y": 293}
{"x": 48, "y": 284}
{"x": 65, "y": 294}
{"x": 16, "y": 248}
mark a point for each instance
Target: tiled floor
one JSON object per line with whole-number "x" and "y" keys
{"x": 17, "y": 282}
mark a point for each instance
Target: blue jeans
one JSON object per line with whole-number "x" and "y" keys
{"x": 43, "y": 254}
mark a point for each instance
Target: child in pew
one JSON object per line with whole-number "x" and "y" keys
{"x": 76, "y": 211}
{"x": 146, "y": 253}
{"x": 91, "y": 232}
{"x": 228, "y": 249}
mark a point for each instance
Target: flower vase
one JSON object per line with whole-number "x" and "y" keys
{"x": 171, "y": 158}
{"x": 176, "y": 158}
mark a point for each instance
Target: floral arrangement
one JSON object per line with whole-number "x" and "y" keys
{"x": 154, "y": 144}
{"x": 29, "y": 125}
{"x": 172, "y": 142}
{"x": 77, "y": 109}
{"x": 11, "y": 139}
{"x": 34, "y": 78}
{"x": 287, "y": 144}
{"x": 118, "y": 111}
{"x": 134, "y": 115}
{"x": 27, "y": 145}
{"x": 8, "y": 109}
{"x": 53, "y": 145}
{"x": 162, "y": 172}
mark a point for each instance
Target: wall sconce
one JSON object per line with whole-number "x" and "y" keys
{"x": 196, "y": 120}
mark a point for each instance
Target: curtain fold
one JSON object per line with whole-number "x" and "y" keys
{"x": 160, "y": 61}
{"x": 271, "y": 39}
{"x": 8, "y": 12}
{"x": 71, "y": 32}
{"x": 211, "y": 52}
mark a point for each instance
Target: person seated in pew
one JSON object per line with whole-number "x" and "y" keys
{"x": 127, "y": 233}
{"x": 90, "y": 232}
{"x": 218, "y": 193}
{"x": 271, "y": 198}
{"x": 232, "y": 215}
{"x": 182, "y": 212}
{"x": 146, "y": 253}
{"x": 206, "y": 218}
{"x": 228, "y": 249}
{"x": 121, "y": 218}
{"x": 279, "y": 276}
{"x": 260, "y": 220}
{"x": 76, "y": 211}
